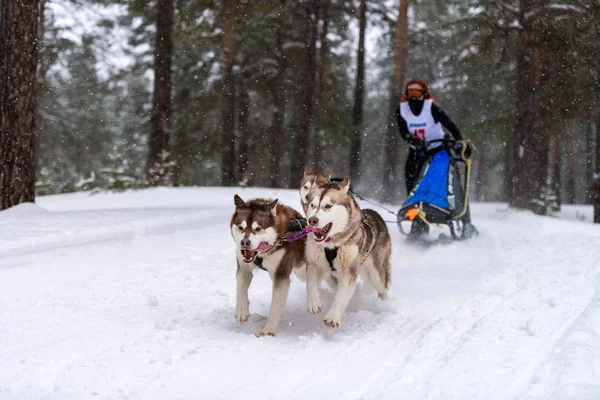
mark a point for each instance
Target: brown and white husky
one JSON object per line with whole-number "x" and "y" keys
{"x": 258, "y": 228}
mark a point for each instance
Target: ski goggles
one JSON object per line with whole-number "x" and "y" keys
{"x": 414, "y": 92}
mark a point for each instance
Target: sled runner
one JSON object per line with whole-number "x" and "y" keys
{"x": 441, "y": 194}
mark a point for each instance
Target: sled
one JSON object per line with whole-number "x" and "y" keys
{"x": 441, "y": 195}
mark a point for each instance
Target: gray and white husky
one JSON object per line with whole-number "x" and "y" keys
{"x": 258, "y": 228}
{"x": 357, "y": 242}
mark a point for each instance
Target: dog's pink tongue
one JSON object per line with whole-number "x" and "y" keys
{"x": 313, "y": 229}
{"x": 263, "y": 246}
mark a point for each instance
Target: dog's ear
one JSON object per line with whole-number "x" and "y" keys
{"x": 345, "y": 185}
{"x": 321, "y": 179}
{"x": 273, "y": 207}
{"x": 308, "y": 171}
{"x": 237, "y": 200}
{"x": 328, "y": 173}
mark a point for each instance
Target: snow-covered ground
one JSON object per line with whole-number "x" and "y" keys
{"x": 132, "y": 296}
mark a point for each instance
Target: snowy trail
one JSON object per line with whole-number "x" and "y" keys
{"x": 68, "y": 229}
{"x": 137, "y": 303}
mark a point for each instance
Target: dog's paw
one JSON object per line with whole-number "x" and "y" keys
{"x": 313, "y": 305}
{"x": 267, "y": 332}
{"x": 383, "y": 295}
{"x": 242, "y": 314}
{"x": 332, "y": 322}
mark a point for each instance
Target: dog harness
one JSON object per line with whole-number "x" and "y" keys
{"x": 299, "y": 225}
{"x": 295, "y": 231}
{"x": 331, "y": 254}
{"x": 258, "y": 261}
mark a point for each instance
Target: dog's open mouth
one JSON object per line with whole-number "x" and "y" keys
{"x": 250, "y": 254}
{"x": 321, "y": 233}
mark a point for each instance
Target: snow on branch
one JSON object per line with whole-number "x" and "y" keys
{"x": 291, "y": 45}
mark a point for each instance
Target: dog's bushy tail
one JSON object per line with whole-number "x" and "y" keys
{"x": 384, "y": 242}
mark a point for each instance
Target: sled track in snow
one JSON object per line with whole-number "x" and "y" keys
{"x": 177, "y": 221}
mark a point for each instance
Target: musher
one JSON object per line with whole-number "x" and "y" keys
{"x": 420, "y": 122}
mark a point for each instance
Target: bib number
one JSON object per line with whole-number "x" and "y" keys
{"x": 419, "y": 134}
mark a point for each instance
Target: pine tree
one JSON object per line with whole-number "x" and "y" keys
{"x": 359, "y": 94}
{"x": 228, "y": 137}
{"x": 18, "y": 95}
{"x": 159, "y": 143}
{"x": 75, "y": 133}
{"x": 390, "y": 181}
{"x": 301, "y": 141}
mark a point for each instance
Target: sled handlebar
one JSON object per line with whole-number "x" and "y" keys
{"x": 461, "y": 149}
{"x": 448, "y": 139}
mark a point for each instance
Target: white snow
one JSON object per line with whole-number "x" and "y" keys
{"x": 132, "y": 296}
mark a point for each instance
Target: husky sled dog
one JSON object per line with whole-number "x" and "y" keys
{"x": 308, "y": 185}
{"x": 345, "y": 241}
{"x": 258, "y": 228}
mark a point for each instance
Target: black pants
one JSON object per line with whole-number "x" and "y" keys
{"x": 412, "y": 169}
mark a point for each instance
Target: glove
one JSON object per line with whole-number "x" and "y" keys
{"x": 467, "y": 146}
{"x": 420, "y": 147}
{"x": 415, "y": 142}
{"x": 469, "y": 150}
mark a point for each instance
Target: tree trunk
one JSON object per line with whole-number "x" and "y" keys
{"x": 596, "y": 187}
{"x": 228, "y": 136}
{"x": 589, "y": 160}
{"x": 539, "y": 162}
{"x": 178, "y": 141}
{"x": 244, "y": 135}
{"x": 359, "y": 94}
{"x": 597, "y": 202}
{"x": 481, "y": 176}
{"x": 521, "y": 193}
{"x": 531, "y": 149}
{"x": 158, "y": 151}
{"x": 570, "y": 174}
{"x": 556, "y": 168}
{"x": 19, "y": 21}
{"x": 400, "y": 52}
{"x": 507, "y": 173}
{"x": 299, "y": 157}
{"x": 390, "y": 180}
{"x": 41, "y": 67}
{"x": 278, "y": 92}
{"x": 320, "y": 103}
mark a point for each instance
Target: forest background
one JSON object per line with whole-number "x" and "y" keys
{"x": 131, "y": 94}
